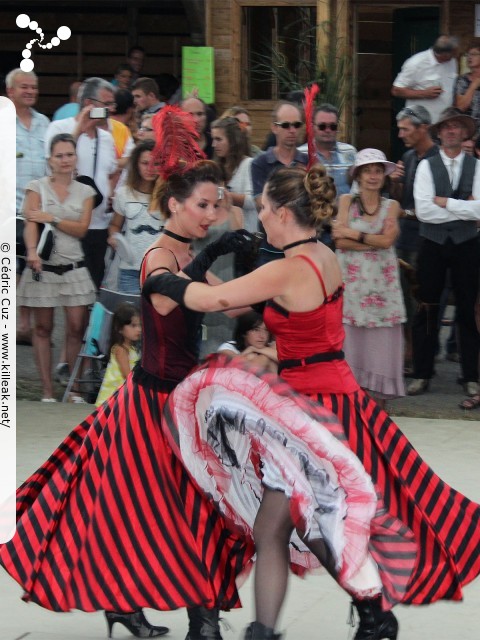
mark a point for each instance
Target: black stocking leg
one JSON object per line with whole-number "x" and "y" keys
{"x": 321, "y": 552}
{"x": 272, "y": 530}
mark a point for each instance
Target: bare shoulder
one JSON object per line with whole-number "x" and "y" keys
{"x": 158, "y": 258}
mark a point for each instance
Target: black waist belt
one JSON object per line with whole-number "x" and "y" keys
{"x": 60, "y": 269}
{"x": 327, "y": 356}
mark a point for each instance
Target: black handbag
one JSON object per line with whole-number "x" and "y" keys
{"x": 98, "y": 198}
{"x": 21, "y": 249}
{"x": 46, "y": 240}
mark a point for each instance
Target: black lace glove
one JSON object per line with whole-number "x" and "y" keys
{"x": 167, "y": 284}
{"x": 240, "y": 241}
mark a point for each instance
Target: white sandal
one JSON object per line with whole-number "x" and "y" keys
{"x": 76, "y": 399}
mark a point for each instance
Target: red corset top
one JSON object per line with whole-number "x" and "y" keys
{"x": 302, "y": 334}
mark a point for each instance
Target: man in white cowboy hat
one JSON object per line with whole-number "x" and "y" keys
{"x": 447, "y": 202}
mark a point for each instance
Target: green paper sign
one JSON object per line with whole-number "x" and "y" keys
{"x": 198, "y": 72}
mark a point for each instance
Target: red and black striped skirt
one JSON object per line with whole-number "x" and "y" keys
{"x": 112, "y": 521}
{"x": 446, "y": 524}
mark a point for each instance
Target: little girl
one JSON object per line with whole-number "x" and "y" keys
{"x": 252, "y": 342}
{"x": 126, "y": 332}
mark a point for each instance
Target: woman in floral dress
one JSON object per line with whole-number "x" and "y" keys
{"x": 365, "y": 232}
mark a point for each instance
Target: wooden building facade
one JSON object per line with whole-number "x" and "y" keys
{"x": 374, "y": 36}
{"x": 102, "y": 33}
{"x": 371, "y": 38}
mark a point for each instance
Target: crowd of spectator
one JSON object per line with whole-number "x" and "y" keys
{"x": 423, "y": 209}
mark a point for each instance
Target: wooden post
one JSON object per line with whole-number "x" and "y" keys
{"x": 324, "y": 25}
{"x": 344, "y": 49}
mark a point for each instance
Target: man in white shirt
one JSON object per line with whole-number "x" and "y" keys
{"x": 447, "y": 203}
{"x": 96, "y": 158}
{"x": 428, "y": 77}
{"x": 22, "y": 89}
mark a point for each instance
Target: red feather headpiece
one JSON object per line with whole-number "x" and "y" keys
{"x": 308, "y": 105}
{"x": 176, "y": 149}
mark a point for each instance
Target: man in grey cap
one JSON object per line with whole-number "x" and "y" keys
{"x": 413, "y": 129}
{"x": 447, "y": 203}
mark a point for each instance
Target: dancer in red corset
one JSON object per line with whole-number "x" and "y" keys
{"x": 111, "y": 520}
{"x": 304, "y": 313}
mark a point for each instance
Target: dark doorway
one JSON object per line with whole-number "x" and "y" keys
{"x": 384, "y": 38}
{"x": 414, "y": 30}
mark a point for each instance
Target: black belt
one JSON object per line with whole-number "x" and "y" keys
{"x": 60, "y": 269}
{"x": 327, "y": 356}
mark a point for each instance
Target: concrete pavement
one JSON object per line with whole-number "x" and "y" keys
{"x": 316, "y": 608}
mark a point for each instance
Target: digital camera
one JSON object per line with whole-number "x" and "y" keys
{"x": 98, "y": 112}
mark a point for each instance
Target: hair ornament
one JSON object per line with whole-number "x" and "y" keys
{"x": 310, "y": 94}
{"x": 176, "y": 148}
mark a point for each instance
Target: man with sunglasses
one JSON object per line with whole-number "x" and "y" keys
{"x": 338, "y": 157}
{"x": 287, "y": 127}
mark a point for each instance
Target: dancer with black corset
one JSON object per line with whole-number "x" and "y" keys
{"x": 111, "y": 521}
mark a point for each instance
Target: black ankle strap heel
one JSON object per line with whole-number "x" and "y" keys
{"x": 136, "y": 623}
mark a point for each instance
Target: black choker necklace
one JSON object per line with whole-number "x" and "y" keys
{"x": 175, "y": 236}
{"x": 295, "y": 244}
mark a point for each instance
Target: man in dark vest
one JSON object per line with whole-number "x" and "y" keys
{"x": 447, "y": 202}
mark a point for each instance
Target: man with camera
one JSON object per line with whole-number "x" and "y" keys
{"x": 96, "y": 159}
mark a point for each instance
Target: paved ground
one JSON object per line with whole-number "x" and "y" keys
{"x": 316, "y": 609}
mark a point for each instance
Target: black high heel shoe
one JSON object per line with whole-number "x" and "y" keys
{"x": 136, "y": 623}
{"x": 375, "y": 624}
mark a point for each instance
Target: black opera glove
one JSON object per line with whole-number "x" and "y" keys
{"x": 240, "y": 241}
{"x": 166, "y": 284}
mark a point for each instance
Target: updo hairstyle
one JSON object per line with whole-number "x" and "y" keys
{"x": 310, "y": 195}
{"x": 181, "y": 185}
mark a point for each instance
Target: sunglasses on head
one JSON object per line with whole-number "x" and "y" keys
{"x": 288, "y": 125}
{"x": 327, "y": 125}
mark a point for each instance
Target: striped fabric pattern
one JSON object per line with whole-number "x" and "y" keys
{"x": 111, "y": 520}
{"x": 445, "y": 523}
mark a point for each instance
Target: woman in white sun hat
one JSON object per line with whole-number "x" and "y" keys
{"x": 365, "y": 232}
